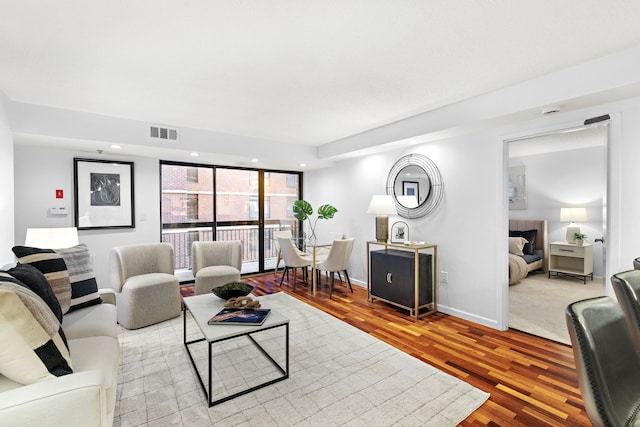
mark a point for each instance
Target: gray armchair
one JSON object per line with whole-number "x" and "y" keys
{"x": 607, "y": 361}
{"x": 147, "y": 291}
{"x": 636, "y": 264}
{"x": 627, "y": 288}
{"x": 215, "y": 264}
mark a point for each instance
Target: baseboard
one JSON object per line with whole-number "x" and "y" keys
{"x": 491, "y": 323}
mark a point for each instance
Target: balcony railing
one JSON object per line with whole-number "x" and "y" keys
{"x": 181, "y": 239}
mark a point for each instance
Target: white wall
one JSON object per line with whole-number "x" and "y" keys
{"x": 565, "y": 179}
{"x": 40, "y": 171}
{"x": 463, "y": 227}
{"x": 470, "y": 225}
{"x": 6, "y": 178}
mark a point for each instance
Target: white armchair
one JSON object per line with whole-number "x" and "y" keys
{"x": 215, "y": 263}
{"x": 146, "y": 288}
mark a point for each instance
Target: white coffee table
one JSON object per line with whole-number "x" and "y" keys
{"x": 202, "y": 308}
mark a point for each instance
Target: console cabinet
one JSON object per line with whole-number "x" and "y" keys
{"x": 402, "y": 275}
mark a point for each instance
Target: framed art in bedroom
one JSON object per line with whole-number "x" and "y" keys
{"x": 103, "y": 192}
{"x": 517, "y": 188}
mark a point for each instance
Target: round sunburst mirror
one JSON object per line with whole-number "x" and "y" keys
{"x": 416, "y": 185}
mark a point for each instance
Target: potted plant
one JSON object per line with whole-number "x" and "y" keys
{"x": 579, "y": 238}
{"x": 303, "y": 210}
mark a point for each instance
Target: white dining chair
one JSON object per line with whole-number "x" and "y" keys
{"x": 292, "y": 259}
{"x": 337, "y": 261}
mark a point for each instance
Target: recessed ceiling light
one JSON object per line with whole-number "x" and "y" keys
{"x": 194, "y": 154}
{"x": 254, "y": 160}
{"x": 303, "y": 165}
{"x": 115, "y": 147}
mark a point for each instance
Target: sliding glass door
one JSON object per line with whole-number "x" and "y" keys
{"x": 203, "y": 202}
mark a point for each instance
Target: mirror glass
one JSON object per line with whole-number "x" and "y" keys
{"x": 412, "y": 186}
{"x": 416, "y": 185}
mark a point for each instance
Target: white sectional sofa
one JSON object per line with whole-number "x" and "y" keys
{"x": 43, "y": 380}
{"x": 84, "y": 398}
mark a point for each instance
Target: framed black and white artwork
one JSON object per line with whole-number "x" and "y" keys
{"x": 103, "y": 194}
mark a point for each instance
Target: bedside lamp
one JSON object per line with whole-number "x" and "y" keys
{"x": 573, "y": 215}
{"x": 382, "y": 206}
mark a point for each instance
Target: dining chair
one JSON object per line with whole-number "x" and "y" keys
{"x": 607, "y": 361}
{"x": 337, "y": 261}
{"x": 293, "y": 259}
{"x": 286, "y": 234}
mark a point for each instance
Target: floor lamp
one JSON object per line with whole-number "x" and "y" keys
{"x": 382, "y": 206}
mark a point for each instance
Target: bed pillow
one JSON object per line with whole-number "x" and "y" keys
{"x": 33, "y": 279}
{"x": 33, "y": 344}
{"x": 530, "y": 236}
{"x": 53, "y": 267}
{"x": 516, "y": 244}
{"x": 84, "y": 288}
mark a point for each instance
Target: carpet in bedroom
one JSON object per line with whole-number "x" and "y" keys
{"x": 339, "y": 375}
{"x": 537, "y": 304}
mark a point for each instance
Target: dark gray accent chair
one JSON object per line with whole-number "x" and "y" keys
{"x": 636, "y": 263}
{"x": 607, "y": 361}
{"x": 626, "y": 285}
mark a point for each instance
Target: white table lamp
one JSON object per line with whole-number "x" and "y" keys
{"x": 382, "y": 206}
{"x": 51, "y": 238}
{"x": 573, "y": 215}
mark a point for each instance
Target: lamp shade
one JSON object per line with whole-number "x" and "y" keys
{"x": 52, "y": 238}
{"x": 573, "y": 214}
{"x": 382, "y": 204}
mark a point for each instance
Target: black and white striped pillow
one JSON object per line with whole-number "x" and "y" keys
{"x": 84, "y": 288}
{"x": 54, "y": 268}
{"x": 77, "y": 266}
{"x": 32, "y": 340}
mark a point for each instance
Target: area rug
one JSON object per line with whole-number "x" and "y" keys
{"x": 537, "y": 304}
{"x": 339, "y": 376}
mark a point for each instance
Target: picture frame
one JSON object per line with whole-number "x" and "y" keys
{"x": 411, "y": 188}
{"x": 517, "y": 191}
{"x": 104, "y": 194}
{"x": 399, "y": 232}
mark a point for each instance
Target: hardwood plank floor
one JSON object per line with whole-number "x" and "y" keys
{"x": 532, "y": 381}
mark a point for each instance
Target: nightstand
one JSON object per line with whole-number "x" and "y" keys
{"x": 569, "y": 259}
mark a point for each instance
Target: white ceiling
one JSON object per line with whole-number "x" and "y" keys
{"x": 302, "y": 72}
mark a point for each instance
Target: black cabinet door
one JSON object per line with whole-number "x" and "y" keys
{"x": 393, "y": 274}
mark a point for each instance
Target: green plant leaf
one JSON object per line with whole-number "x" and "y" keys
{"x": 326, "y": 212}
{"x": 302, "y": 209}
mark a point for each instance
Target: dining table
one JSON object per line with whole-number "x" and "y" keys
{"x": 318, "y": 254}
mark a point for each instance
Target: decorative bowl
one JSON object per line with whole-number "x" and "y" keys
{"x": 232, "y": 290}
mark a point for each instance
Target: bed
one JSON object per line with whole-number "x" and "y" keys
{"x": 533, "y": 257}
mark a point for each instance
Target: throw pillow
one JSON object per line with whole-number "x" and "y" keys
{"x": 530, "y": 236}
{"x": 84, "y": 288}
{"x": 33, "y": 279}
{"x": 53, "y": 267}
{"x": 32, "y": 341}
{"x": 516, "y": 244}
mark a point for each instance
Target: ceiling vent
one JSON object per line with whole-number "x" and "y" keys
{"x": 163, "y": 133}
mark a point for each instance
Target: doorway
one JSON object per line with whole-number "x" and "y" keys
{"x": 561, "y": 169}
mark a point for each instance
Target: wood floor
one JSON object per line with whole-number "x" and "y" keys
{"x": 532, "y": 381}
